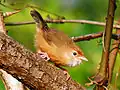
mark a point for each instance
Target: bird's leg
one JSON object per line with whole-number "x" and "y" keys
{"x": 44, "y": 55}
{"x": 64, "y": 71}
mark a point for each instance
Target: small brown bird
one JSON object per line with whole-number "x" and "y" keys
{"x": 58, "y": 46}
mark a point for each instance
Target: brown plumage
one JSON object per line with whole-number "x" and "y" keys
{"x": 59, "y": 47}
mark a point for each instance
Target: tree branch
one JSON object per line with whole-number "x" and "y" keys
{"x": 10, "y": 83}
{"x": 93, "y": 36}
{"x": 103, "y": 71}
{"x": 113, "y": 54}
{"x": 61, "y": 21}
{"x": 30, "y": 69}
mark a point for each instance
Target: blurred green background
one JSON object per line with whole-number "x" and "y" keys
{"x": 95, "y": 10}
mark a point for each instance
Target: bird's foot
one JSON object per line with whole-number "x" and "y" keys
{"x": 64, "y": 71}
{"x": 44, "y": 56}
{"x": 67, "y": 74}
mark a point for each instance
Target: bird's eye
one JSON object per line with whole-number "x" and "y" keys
{"x": 74, "y": 53}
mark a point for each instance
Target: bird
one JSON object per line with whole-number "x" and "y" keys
{"x": 57, "y": 46}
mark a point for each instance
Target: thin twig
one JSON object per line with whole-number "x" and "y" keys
{"x": 93, "y": 36}
{"x": 87, "y": 37}
{"x": 61, "y": 21}
{"x": 7, "y": 14}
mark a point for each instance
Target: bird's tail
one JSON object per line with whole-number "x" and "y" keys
{"x": 39, "y": 20}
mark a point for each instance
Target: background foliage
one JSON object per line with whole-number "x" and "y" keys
{"x": 71, "y": 9}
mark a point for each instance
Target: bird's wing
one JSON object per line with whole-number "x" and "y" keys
{"x": 57, "y": 38}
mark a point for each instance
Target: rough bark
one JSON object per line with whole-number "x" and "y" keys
{"x": 30, "y": 69}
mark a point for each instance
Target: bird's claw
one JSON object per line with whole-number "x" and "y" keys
{"x": 67, "y": 74}
{"x": 44, "y": 56}
{"x": 64, "y": 71}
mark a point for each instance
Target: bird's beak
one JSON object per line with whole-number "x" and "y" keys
{"x": 83, "y": 58}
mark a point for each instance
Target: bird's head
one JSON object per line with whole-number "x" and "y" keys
{"x": 73, "y": 56}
